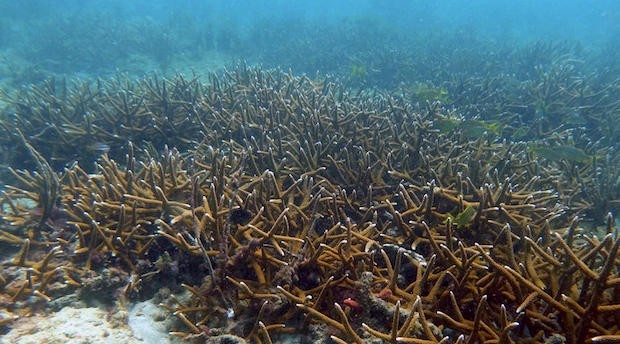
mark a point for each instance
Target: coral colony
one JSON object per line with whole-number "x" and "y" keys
{"x": 282, "y": 203}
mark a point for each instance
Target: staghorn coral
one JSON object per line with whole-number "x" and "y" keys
{"x": 83, "y": 120}
{"x": 299, "y": 202}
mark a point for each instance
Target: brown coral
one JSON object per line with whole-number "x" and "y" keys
{"x": 298, "y": 199}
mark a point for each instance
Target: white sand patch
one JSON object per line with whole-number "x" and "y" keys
{"x": 148, "y": 322}
{"x": 71, "y": 326}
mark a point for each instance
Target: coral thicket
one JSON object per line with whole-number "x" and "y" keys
{"x": 282, "y": 201}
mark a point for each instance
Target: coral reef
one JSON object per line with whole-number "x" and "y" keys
{"x": 281, "y": 201}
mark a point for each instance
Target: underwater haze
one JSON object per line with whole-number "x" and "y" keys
{"x": 104, "y": 37}
{"x": 321, "y": 172}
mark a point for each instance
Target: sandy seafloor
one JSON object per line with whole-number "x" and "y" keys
{"x": 142, "y": 322}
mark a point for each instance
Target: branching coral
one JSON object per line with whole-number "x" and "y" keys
{"x": 299, "y": 202}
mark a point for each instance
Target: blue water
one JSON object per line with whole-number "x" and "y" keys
{"x": 103, "y": 37}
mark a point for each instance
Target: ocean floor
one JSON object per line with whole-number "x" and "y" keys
{"x": 142, "y": 322}
{"x": 75, "y": 322}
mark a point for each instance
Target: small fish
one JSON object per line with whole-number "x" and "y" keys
{"x": 446, "y": 124}
{"x": 463, "y": 218}
{"x": 352, "y": 303}
{"x": 425, "y": 92}
{"x": 475, "y": 128}
{"x": 558, "y": 153}
{"x": 358, "y": 71}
